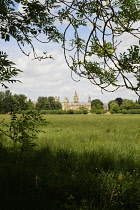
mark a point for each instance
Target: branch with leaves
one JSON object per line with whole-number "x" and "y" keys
{"x": 96, "y": 28}
{"x": 23, "y": 130}
{"x": 96, "y": 55}
{"x": 7, "y": 70}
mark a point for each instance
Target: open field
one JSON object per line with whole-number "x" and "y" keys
{"x": 89, "y": 132}
{"x": 115, "y": 137}
{"x": 81, "y": 162}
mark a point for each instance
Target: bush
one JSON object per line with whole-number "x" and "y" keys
{"x": 23, "y": 130}
{"x": 104, "y": 111}
{"x": 131, "y": 111}
{"x": 135, "y": 111}
{"x": 44, "y": 111}
{"x": 61, "y": 111}
{"x": 112, "y": 112}
{"x": 99, "y": 112}
{"x": 93, "y": 109}
{"x": 124, "y": 111}
{"x": 77, "y": 112}
{"x": 70, "y": 111}
{"x": 138, "y": 111}
{"x": 85, "y": 111}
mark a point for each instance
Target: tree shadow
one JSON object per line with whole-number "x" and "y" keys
{"x": 43, "y": 179}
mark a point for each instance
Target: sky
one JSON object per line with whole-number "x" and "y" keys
{"x": 52, "y": 77}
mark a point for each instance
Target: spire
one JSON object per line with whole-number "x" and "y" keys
{"x": 76, "y": 93}
{"x": 89, "y": 99}
{"x": 75, "y": 98}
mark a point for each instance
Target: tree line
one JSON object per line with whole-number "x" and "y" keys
{"x": 10, "y": 103}
{"x": 119, "y": 105}
{"x": 14, "y": 103}
{"x": 124, "y": 106}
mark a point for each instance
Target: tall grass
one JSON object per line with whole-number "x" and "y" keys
{"x": 116, "y": 137}
{"x": 81, "y": 162}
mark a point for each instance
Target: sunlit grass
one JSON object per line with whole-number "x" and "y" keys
{"x": 112, "y": 138}
{"x": 81, "y": 162}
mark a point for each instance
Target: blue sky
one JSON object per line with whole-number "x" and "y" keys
{"x": 53, "y": 77}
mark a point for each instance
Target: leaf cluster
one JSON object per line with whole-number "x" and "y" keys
{"x": 23, "y": 130}
{"x": 94, "y": 54}
{"x": 7, "y": 70}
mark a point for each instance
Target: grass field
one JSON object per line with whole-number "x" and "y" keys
{"x": 81, "y": 162}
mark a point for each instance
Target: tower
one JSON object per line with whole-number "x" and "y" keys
{"x": 89, "y": 99}
{"x": 65, "y": 104}
{"x": 57, "y": 98}
{"x": 75, "y": 98}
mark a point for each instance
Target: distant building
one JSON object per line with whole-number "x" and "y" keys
{"x": 57, "y": 98}
{"x": 105, "y": 106}
{"x": 76, "y": 104}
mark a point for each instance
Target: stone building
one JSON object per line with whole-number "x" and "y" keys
{"x": 76, "y": 104}
{"x": 105, "y": 106}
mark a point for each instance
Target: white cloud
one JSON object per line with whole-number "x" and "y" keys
{"x": 53, "y": 77}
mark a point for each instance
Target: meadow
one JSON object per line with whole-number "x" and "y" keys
{"x": 80, "y": 162}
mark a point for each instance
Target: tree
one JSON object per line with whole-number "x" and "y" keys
{"x": 114, "y": 108}
{"x": 119, "y": 100}
{"x": 22, "y": 99}
{"x": 139, "y": 100}
{"x": 24, "y": 27}
{"x": 14, "y": 103}
{"x": 7, "y": 69}
{"x": 9, "y": 103}
{"x": 30, "y": 105}
{"x": 128, "y": 104}
{"x": 83, "y": 109}
{"x": 97, "y": 103}
{"x": 42, "y": 100}
{"x": 110, "y": 102}
{"x": 42, "y": 103}
{"x": 136, "y": 106}
{"x": 56, "y": 105}
{"x": 51, "y": 99}
{"x": 1, "y": 100}
{"x": 95, "y": 56}
{"x": 93, "y": 109}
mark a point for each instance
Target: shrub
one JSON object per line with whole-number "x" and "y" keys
{"x": 93, "y": 109}
{"x": 44, "y": 111}
{"x": 77, "y": 112}
{"x": 112, "y": 111}
{"x": 124, "y": 111}
{"x": 61, "y": 111}
{"x": 85, "y": 111}
{"x": 133, "y": 111}
{"x": 23, "y": 130}
{"x": 104, "y": 111}
{"x": 70, "y": 111}
{"x": 99, "y": 112}
{"x": 138, "y": 111}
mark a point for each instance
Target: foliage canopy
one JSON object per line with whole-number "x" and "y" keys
{"x": 96, "y": 54}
